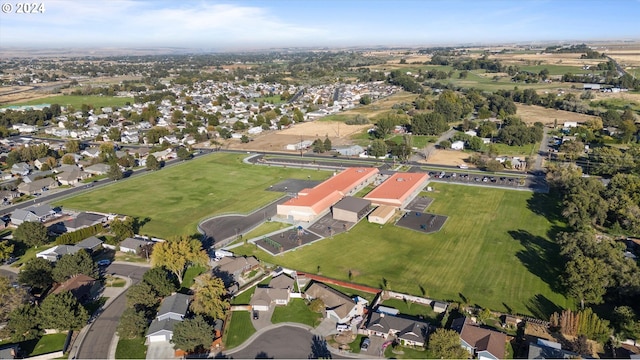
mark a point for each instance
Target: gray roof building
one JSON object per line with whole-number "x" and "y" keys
{"x": 174, "y": 307}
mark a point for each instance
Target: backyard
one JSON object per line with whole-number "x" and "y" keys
{"x": 238, "y": 330}
{"x": 494, "y": 251}
{"x": 173, "y": 200}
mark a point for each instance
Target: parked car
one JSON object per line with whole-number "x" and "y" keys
{"x": 365, "y": 344}
{"x": 104, "y": 262}
{"x": 256, "y": 315}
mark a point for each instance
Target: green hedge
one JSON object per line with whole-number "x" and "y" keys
{"x": 78, "y": 235}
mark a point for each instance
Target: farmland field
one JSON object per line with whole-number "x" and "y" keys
{"x": 77, "y": 100}
{"x": 175, "y": 199}
{"x": 494, "y": 251}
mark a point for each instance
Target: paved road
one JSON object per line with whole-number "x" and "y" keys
{"x": 428, "y": 151}
{"x": 543, "y": 152}
{"x": 285, "y": 342}
{"x": 12, "y": 275}
{"x": 101, "y": 331}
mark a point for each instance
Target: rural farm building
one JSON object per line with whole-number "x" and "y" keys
{"x": 398, "y": 190}
{"x": 305, "y": 144}
{"x": 309, "y": 203}
{"x": 351, "y": 209}
{"x": 382, "y": 214}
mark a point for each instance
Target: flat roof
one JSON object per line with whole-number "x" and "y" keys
{"x": 398, "y": 186}
{"x": 352, "y": 204}
{"x": 341, "y": 183}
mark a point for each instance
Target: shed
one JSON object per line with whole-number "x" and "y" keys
{"x": 457, "y": 145}
{"x": 382, "y": 214}
{"x": 351, "y": 209}
{"x": 439, "y": 306}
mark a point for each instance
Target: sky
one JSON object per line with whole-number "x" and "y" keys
{"x": 249, "y": 25}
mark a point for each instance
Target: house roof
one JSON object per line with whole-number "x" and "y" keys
{"x": 352, "y": 204}
{"x": 61, "y": 250}
{"x": 408, "y": 329}
{"x": 23, "y": 215}
{"x": 176, "y": 303}
{"x": 264, "y": 296}
{"x": 89, "y": 243}
{"x": 80, "y": 285}
{"x": 132, "y": 243}
{"x": 481, "y": 339}
{"x": 281, "y": 281}
{"x": 37, "y": 184}
{"x": 232, "y": 265}
{"x": 40, "y": 210}
{"x": 333, "y": 299}
{"x": 83, "y": 219}
{"x": 165, "y": 325}
{"x": 398, "y": 187}
{"x": 97, "y": 168}
{"x": 539, "y": 351}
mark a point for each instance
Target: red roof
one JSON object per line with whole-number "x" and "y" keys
{"x": 398, "y": 187}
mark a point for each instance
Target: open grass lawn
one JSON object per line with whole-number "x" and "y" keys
{"x": 556, "y": 69}
{"x": 480, "y": 80}
{"x": 409, "y": 308}
{"x": 44, "y": 345}
{"x": 189, "y": 276}
{"x": 245, "y": 297}
{"x": 355, "y": 345}
{"x": 239, "y": 330}
{"x": 175, "y": 199}
{"x": 407, "y": 353}
{"x": 494, "y": 251}
{"x": 297, "y": 311}
{"x": 524, "y": 150}
{"x": 131, "y": 349}
{"x": 77, "y": 100}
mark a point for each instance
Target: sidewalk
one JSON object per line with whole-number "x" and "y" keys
{"x": 112, "y": 293}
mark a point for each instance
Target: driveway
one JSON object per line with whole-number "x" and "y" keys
{"x": 160, "y": 350}
{"x": 264, "y": 318}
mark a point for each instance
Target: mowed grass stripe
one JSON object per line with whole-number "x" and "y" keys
{"x": 175, "y": 199}
{"x": 492, "y": 250}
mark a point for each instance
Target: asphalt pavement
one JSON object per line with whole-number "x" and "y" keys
{"x": 97, "y": 341}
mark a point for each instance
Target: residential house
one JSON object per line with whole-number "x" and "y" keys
{"x": 92, "y": 153}
{"x": 8, "y": 195}
{"x": 131, "y": 245}
{"x": 38, "y": 186}
{"x": 338, "y": 306}
{"x": 36, "y": 175}
{"x": 277, "y": 293}
{"x": 163, "y": 155}
{"x": 72, "y": 177}
{"x": 83, "y": 220}
{"x": 21, "y": 168}
{"x": 457, "y": 145}
{"x": 172, "y": 310}
{"x": 91, "y": 244}
{"x": 480, "y": 342}
{"x": 83, "y": 287}
{"x": 55, "y": 253}
{"x": 235, "y": 267}
{"x": 97, "y": 169}
{"x": 408, "y": 331}
{"x": 39, "y": 213}
{"x": 9, "y": 351}
{"x": 38, "y": 163}
{"x": 544, "y": 349}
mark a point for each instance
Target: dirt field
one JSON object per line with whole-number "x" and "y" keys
{"x": 532, "y": 113}
{"x": 339, "y": 134}
{"x": 448, "y": 157}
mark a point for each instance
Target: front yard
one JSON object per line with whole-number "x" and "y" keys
{"x": 297, "y": 311}
{"x": 239, "y": 329}
{"x": 131, "y": 349}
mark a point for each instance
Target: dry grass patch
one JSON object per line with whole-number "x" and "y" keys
{"x": 533, "y": 113}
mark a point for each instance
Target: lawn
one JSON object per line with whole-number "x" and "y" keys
{"x": 298, "y": 312}
{"x": 524, "y": 150}
{"x": 189, "y": 276}
{"x": 239, "y": 329}
{"x": 46, "y": 344}
{"x": 245, "y": 297}
{"x": 355, "y": 345}
{"x": 77, "y": 100}
{"x": 264, "y": 229}
{"x": 409, "y": 308}
{"x": 131, "y": 349}
{"x": 494, "y": 251}
{"x": 175, "y": 199}
{"x": 407, "y": 353}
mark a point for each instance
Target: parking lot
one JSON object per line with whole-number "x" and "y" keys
{"x": 476, "y": 178}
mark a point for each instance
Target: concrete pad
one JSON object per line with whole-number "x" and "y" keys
{"x": 160, "y": 350}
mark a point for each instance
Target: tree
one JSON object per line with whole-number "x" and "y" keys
{"x": 183, "y": 153}
{"x": 68, "y": 159}
{"x": 114, "y": 134}
{"x": 192, "y": 334}
{"x": 475, "y": 143}
{"x": 6, "y": 249}
{"x": 586, "y": 279}
{"x": 428, "y": 124}
{"x": 152, "y": 163}
{"x": 122, "y": 229}
{"x": 378, "y": 148}
{"x": 327, "y": 144}
{"x": 72, "y": 146}
{"x": 627, "y": 130}
{"x": 317, "y": 146}
{"x": 445, "y": 344}
{"x": 161, "y": 280}
{"x": 177, "y": 254}
{"x": 385, "y": 125}
{"x": 36, "y": 273}
{"x": 10, "y": 297}
{"x": 114, "y": 172}
{"x": 63, "y": 312}
{"x": 365, "y": 99}
{"x": 23, "y": 324}
{"x": 209, "y": 297}
{"x": 625, "y": 320}
{"x": 132, "y": 324}
{"x": 70, "y": 265}
{"x": 445, "y": 144}
{"x": 317, "y": 305}
{"x": 31, "y": 233}
{"x": 142, "y": 296}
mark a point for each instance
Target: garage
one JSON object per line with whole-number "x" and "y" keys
{"x": 159, "y": 338}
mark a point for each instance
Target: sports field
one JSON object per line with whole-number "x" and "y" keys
{"x": 494, "y": 251}
{"x": 77, "y": 100}
{"x": 175, "y": 199}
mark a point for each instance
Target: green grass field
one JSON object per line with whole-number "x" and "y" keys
{"x": 77, "y": 100}
{"x": 46, "y": 344}
{"x": 297, "y": 311}
{"x": 494, "y": 251}
{"x": 557, "y": 69}
{"x": 175, "y": 199}
{"x": 524, "y": 150}
{"x": 240, "y": 329}
{"x": 131, "y": 349}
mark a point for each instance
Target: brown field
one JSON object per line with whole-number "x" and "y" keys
{"x": 532, "y": 113}
{"x": 339, "y": 134}
{"x": 626, "y": 57}
{"x": 381, "y": 106}
{"x": 621, "y": 95}
{"x": 448, "y": 157}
